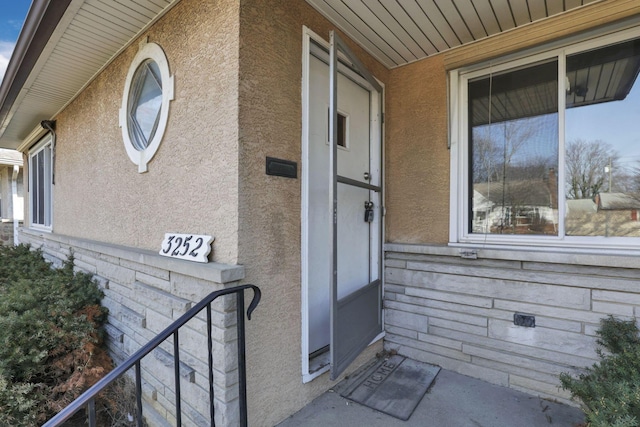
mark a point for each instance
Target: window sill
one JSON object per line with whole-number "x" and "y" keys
{"x": 596, "y": 257}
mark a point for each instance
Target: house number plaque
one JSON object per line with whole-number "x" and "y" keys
{"x": 190, "y": 247}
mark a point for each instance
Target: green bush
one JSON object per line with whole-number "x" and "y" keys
{"x": 50, "y": 342}
{"x": 610, "y": 389}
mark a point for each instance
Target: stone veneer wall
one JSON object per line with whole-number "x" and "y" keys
{"x": 145, "y": 293}
{"x": 459, "y": 313}
{"x": 6, "y": 232}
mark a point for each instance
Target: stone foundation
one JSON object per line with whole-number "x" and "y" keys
{"x": 458, "y": 313}
{"x": 145, "y": 293}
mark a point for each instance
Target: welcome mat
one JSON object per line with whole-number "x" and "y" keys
{"x": 394, "y": 385}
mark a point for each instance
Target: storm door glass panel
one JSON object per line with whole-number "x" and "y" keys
{"x": 513, "y": 146}
{"x": 602, "y": 142}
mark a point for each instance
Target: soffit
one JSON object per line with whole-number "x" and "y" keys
{"x": 398, "y": 32}
{"x": 90, "y": 34}
{"x": 10, "y": 157}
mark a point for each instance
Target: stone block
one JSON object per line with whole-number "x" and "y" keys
{"x": 401, "y": 332}
{"x": 394, "y": 288}
{"x": 461, "y": 299}
{"x": 465, "y": 368}
{"x": 449, "y": 306}
{"x": 156, "y": 322}
{"x": 553, "y": 312}
{"x": 103, "y": 283}
{"x": 442, "y": 342}
{"x": 457, "y": 326}
{"x": 145, "y": 269}
{"x": 115, "y": 272}
{"x": 406, "y": 320}
{"x": 114, "y": 334}
{"x": 632, "y": 298}
{"x": 147, "y": 279}
{"x": 429, "y": 347}
{"x": 84, "y": 266}
{"x": 168, "y": 360}
{"x": 537, "y": 367}
{"x": 516, "y": 348}
{"x": 397, "y": 263}
{"x": 549, "y": 339}
{"x": 191, "y": 288}
{"x": 160, "y": 298}
{"x": 616, "y": 309}
{"x": 132, "y": 318}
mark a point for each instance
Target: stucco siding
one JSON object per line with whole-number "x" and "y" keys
{"x": 270, "y": 207}
{"x": 417, "y": 158}
{"x": 192, "y": 182}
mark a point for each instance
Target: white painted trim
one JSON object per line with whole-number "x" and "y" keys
{"x": 307, "y": 35}
{"x": 14, "y": 198}
{"x": 154, "y": 52}
{"x": 44, "y": 142}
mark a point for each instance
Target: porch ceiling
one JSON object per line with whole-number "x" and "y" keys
{"x": 397, "y": 32}
{"x": 62, "y": 46}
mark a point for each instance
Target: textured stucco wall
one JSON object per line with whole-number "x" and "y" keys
{"x": 269, "y": 239}
{"x": 417, "y": 158}
{"x": 191, "y": 186}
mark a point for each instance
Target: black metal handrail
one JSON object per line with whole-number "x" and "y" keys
{"x": 87, "y": 399}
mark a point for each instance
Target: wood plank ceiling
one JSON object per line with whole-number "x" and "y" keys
{"x": 397, "y": 32}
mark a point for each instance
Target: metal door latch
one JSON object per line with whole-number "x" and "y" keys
{"x": 368, "y": 211}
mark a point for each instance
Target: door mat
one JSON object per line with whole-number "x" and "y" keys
{"x": 394, "y": 385}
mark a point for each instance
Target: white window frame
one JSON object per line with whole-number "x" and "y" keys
{"x": 39, "y": 147}
{"x": 459, "y": 234}
{"x": 147, "y": 51}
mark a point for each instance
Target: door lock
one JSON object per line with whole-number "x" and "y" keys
{"x": 367, "y": 176}
{"x": 368, "y": 211}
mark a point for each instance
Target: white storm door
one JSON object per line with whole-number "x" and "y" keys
{"x": 354, "y": 190}
{"x": 354, "y": 247}
{"x": 357, "y": 243}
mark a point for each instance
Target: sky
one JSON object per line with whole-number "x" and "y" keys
{"x": 12, "y": 14}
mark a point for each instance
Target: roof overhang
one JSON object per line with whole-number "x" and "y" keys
{"x": 63, "y": 46}
{"x": 10, "y": 157}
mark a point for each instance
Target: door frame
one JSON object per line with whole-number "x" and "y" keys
{"x": 310, "y": 37}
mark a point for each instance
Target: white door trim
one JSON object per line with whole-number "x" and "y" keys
{"x": 308, "y": 36}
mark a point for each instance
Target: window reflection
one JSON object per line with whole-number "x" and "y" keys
{"x": 602, "y": 142}
{"x": 513, "y": 121}
{"x": 145, "y": 104}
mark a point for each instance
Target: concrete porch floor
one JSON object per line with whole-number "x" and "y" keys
{"x": 454, "y": 400}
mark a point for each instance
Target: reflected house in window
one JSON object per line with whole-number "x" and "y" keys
{"x": 516, "y": 206}
{"x": 609, "y": 214}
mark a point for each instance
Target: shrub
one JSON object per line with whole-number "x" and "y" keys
{"x": 50, "y": 341}
{"x": 610, "y": 389}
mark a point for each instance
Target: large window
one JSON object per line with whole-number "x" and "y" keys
{"x": 40, "y": 184}
{"x": 547, "y": 149}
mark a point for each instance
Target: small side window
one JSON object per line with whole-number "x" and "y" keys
{"x": 40, "y": 185}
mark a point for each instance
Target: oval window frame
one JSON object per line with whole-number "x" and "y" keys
{"x": 147, "y": 51}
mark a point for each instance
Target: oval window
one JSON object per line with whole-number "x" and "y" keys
{"x": 145, "y": 104}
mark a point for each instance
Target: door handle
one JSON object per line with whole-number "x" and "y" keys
{"x": 368, "y": 211}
